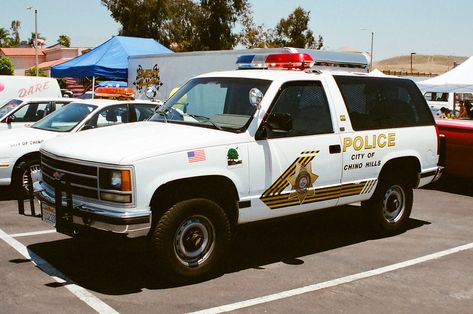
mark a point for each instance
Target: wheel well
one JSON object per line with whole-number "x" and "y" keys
{"x": 409, "y": 166}
{"x": 29, "y": 156}
{"x": 217, "y": 188}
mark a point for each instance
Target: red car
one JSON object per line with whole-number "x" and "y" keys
{"x": 457, "y": 154}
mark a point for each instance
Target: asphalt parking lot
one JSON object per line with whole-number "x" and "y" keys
{"x": 324, "y": 262}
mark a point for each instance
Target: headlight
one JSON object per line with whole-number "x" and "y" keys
{"x": 117, "y": 180}
{"x": 115, "y": 185}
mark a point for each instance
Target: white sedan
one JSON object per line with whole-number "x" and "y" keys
{"x": 19, "y": 148}
{"x": 26, "y": 111}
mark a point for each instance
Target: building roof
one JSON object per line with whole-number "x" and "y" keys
{"x": 52, "y": 63}
{"x": 11, "y": 52}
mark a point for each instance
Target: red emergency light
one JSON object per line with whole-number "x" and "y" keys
{"x": 288, "y": 61}
{"x": 293, "y": 61}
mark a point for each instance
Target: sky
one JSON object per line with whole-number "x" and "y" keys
{"x": 432, "y": 27}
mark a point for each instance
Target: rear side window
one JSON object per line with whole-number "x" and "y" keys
{"x": 383, "y": 103}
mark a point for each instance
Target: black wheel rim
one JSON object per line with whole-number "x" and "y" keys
{"x": 194, "y": 241}
{"x": 394, "y": 204}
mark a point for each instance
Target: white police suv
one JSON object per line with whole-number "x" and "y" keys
{"x": 234, "y": 147}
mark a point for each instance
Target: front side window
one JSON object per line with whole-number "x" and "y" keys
{"x": 59, "y": 105}
{"x": 223, "y": 103}
{"x": 382, "y": 103}
{"x": 65, "y": 119}
{"x": 31, "y": 112}
{"x": 109, "y": 116}
{"x": 305, "y": 104}
{"x": 143, "y": 111}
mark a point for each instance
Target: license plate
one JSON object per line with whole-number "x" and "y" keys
{"x": 49, "y": 214}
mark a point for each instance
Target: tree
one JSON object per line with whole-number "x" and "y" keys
{"x": 252, "y": 35}
{"x": 41, "y": 40}
{"x": 15, "y": 31}
{"x": 182, "y": 25}
{"x": 4, "y": 37}
{"x": 32, "y": 72}
{"x": 145, "y": 18}
{"x": 294, "y": 31}
{"x": 217, "y": 21}
{"x": 6, "y": 67}
{"x": 64, "y": 40}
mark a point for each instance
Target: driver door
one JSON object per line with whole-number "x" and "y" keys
{"x": 297, "y": 169}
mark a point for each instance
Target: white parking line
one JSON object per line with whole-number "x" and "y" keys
{"x": 33, "y": 233}
{"x": 84, "y": 295}
{"x": 332, "y": 283}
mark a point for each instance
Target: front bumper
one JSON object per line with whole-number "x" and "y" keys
{"x": 72, "y": 215}
{"x": 6, "y": 170}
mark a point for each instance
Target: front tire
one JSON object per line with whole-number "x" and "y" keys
{"x": 189, "y": 241}
{"x": 20, "y": 178}
{"x": 390, "y": 206}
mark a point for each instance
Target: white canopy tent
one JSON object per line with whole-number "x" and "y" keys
{"x": 457, "y": 80}
{"x": 376, "y": 72}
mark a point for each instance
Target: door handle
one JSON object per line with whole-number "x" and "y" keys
{"x": 335, "y": 149}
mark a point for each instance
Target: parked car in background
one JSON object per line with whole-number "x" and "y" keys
{"x": 67, "y": 93}
{"x": 19, "y": 148}
{"x": 438, "y": 100}
{"x": 457, "y": 155}
{"x": 86, "y": 95}
{"x": 19, "y": 112}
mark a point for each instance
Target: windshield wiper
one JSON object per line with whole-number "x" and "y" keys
{"x": 205, "y": 119}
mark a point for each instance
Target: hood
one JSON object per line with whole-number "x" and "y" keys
{"x": 126, "y": 143}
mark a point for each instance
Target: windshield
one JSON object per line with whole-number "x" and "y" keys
{"x": 222, "y": 103}
{"x": 9, "y": 106}
{"x": 66, "y": 118}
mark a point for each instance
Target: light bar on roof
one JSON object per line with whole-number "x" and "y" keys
{"x": 114, "y": 93}
{"x": 288, "y": 61}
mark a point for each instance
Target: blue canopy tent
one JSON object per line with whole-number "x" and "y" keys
{"x": 110, "y": 59}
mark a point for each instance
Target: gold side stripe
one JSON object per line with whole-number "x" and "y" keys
{"x": 274, "y": 205}
{"x": 274, "y": 187}
{"x": 281, "y": 183}
{"x": 328, "y": 194}
{"x": 354, "y": 188}
{"x": 283, "y": 201}
{"x": 296, "y": 202}
{"x": 310, "y": 152}
{"x": 286, "y": 199}
{"x": 370, "y": 188}
{"x": 317, "y": 191}
{"x": 331, "y": 190}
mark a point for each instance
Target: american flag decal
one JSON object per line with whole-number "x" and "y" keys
{"x": 196, "y": 156}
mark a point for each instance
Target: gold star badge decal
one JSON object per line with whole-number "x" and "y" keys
{"x": 301, "y": 181}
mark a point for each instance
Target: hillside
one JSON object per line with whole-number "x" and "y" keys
{"x": 432, "y": 65}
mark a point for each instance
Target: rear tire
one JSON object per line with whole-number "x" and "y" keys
{"x": 189, "y": 241}
{"x": 390, "y": 206}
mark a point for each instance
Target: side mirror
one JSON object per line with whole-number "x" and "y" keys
{"x": 275, "y": 124}
{"x": 87, "y": 127}
{"x": 279, "y": 122}
{"x": 9, "y": 119}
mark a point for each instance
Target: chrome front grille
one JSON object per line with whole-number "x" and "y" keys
{"x": 83, "y": 179}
